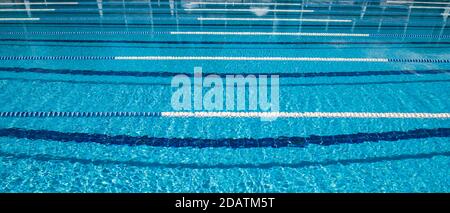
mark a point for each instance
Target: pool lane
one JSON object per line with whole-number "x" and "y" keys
{"x": 379, "y": 59}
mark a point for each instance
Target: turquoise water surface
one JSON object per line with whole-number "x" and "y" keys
{"x": 167, "y": 154}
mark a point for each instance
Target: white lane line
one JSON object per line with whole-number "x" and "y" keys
{"x": 31, "y": 10}
{"x": 306, "y": 115}
{"x": 427, "y": 7}
{"x": 224, "y": 58}
{"x": 273, "y": 19}
{"x": 19, "y": 19}
{"x": 38, "y": 3}
{"x": 248, "y": 10}
{"x": 269, "y": 33}
{"x": 415, "y": 2}
{"x": 245, "y": 3}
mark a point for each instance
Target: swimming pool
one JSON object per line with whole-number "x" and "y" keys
{"x": 86, "y": 96}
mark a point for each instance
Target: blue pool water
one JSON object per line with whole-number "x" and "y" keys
{"x": 203, "y": 154}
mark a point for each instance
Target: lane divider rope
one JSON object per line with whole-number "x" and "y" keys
{"x": 27, "y": 10}
{"x": 56, "y": 57}
{"x": 246, "y": 10}
{"x": 20, "y": 19}
{"x": 271, "y": 34}
{"x": 83, "y": 33}
{"x": 238, "y": 58}
{"x": 231, "y": 114}
{"x": 225, "y": 33}
{"x": 223, "y": 58}
{"x": 37, "y": 3}
{"x": 274, "y": 19}
{"x": 308, "y": 34}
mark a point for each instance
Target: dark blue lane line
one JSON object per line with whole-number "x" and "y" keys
{"x": 301, "y": 164}
{"x": 168, "y": 84}
{"x": 362, "y": 83}
{"x": 223, "y": 42}
{"x": 282, "y": 141}
{"x": 171, "y": 74}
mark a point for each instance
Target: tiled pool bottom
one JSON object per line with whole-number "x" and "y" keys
{"x": 411, "y": 165}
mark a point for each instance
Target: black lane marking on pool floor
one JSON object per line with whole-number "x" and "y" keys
{"x": 171, "y": 74}
{"x": 168, "y": 84}
{"x": 301, "y": 164}
{"x": 226, "y": 142}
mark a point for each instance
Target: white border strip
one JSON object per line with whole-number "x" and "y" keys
{"x": 225, "y": 58}
{"x": 20, "y": 19}
{"x": 273, "y": 19}
{"x": 269, "y": 33}
{"x": 305, "y": 115}
{"x": 31, "y": 10}
{"x": 38, "y": 3}
{"x": 248, "y": 10}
